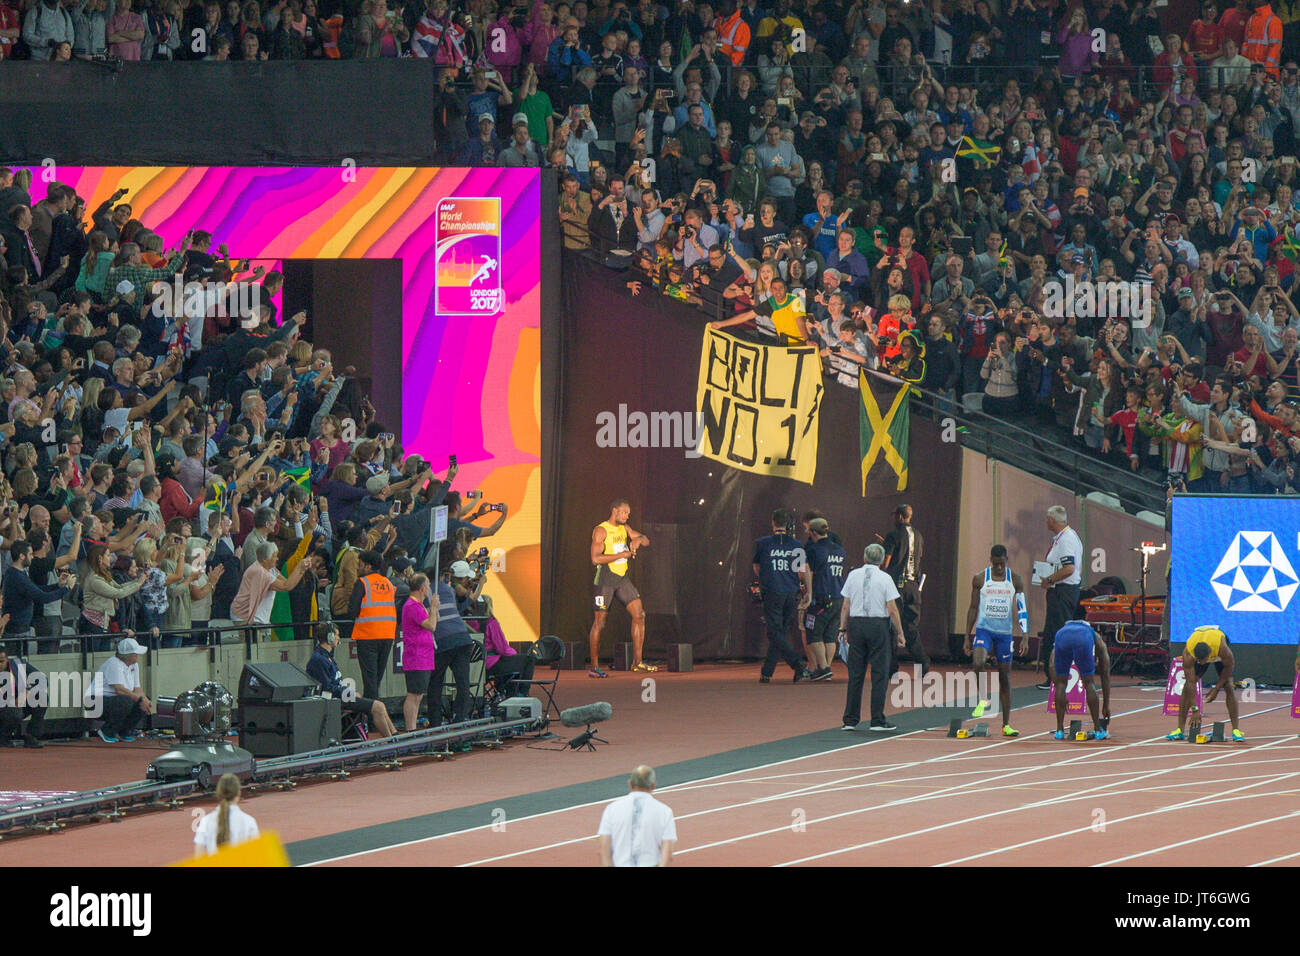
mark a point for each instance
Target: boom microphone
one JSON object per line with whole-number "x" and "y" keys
{"x": 586, "y": 714}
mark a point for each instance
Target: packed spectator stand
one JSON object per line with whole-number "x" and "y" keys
{"x": 190, "y": 470}
{"x": 1060, "y": 215}
{"x": 1077, "y": 217}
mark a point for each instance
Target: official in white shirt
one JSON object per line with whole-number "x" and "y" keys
{"x": 867, "y": 619}
{"x": 116, "y": 696}
{"x": 637, "y": 830}
{"x": 1066, "y": 558}
{"x": 227, "y": 825}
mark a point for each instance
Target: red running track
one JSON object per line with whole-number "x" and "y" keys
{"x": 924, "y": 799}
{"x": 912, "y": 799}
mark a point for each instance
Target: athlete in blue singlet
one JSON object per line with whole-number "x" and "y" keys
{"x": 997, "y": 605}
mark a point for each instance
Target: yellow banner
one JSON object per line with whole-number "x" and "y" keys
{"x": 266, "y": 850}
{"x": 759, "y": 406}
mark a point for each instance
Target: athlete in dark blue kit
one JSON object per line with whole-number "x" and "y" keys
{"x": 1076, "y": 644}
{"x": 823, "y": 577}
{"x": 774, "y": 563}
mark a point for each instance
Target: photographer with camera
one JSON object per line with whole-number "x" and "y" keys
{"x": 453, "y": 645}
{"x": 694, "y": 240}
{"x": 501, "y": 660}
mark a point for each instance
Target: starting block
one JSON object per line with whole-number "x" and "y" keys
{"x": 1215, "y": 736}
{"x": 955, "y": 729}
{"x": 1078, "y": 733}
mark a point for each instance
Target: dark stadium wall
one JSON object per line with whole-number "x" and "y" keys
{"x": 1000, "y": 504}
{"x": 701, "y": 517}
{"x": 281, "y": 112}
{"x": 334, "y": 293}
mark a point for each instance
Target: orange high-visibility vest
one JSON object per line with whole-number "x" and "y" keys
{"x": 377, "y": 619}
{"x": 1263, "y": 40}
{"x": 733, "y": 34}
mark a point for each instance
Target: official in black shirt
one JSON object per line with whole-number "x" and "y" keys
{"x": 774, "y": 564}
{"x": 823, "y": 576}
{"x": 903, "y": 549}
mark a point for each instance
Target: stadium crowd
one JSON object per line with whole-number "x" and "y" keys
{"x": 1064, "y": 214}
{"x": 188, "y": 468}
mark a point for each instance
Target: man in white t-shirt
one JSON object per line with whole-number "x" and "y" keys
{"x": 116, "y": 696}
{"x": 637, "y": 830}
{"x": 1066, "y": 559}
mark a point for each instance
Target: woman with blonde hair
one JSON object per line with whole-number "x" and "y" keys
{"x": 300, "y": 355}
{"x": 100, "y": 594}
{"x": 25, "y": 483}
{"x": 90, "y": 404}
{"x": 893, "y": 324}
{"x": 762, "y": 279}
{"x": 342, "y": 492}
{"x": 157, "y": 582}
{"x": 227, "y": 825}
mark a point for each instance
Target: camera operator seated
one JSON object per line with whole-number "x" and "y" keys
{"x": 501, "y": 660}
{"x": 322, "y": 669}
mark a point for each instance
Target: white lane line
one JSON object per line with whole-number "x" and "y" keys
{"x": 601, "y": 803}
{"x": 1018, "y": 846}
{"x": 914, "y": 799}
{"x": 786, "y": 795}
{"x": 985, "y": 816}
{"x": 1198, "y": 839}
{"x": 1276, "y": 859}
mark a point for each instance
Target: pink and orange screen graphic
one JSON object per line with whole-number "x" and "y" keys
{"x": 471, "y": 377}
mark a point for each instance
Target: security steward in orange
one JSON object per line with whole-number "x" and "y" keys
{"x": 373, "y": 609}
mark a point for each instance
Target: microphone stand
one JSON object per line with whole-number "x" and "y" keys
{"x": 585, "y": 739}
{"x": 1146, "y": 550}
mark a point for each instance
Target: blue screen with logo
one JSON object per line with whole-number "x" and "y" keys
{"x": 1234, "y": 564}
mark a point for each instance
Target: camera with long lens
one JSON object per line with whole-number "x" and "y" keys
{"x": 478, "y": 561}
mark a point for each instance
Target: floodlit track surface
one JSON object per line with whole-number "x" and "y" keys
{"x": 762, "y": 775}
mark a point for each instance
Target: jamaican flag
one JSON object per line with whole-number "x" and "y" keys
{"x": 883, "y": 436}
{"x": 983, "y": 153}
{"x": 301, "y": 474}
{"x": 1289, "y": 244}
{"x": 216, "y": 496}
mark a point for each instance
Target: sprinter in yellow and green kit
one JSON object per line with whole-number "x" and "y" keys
{"x": 1205, "y": 646}
{"x": 613, "y": 544}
